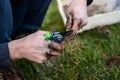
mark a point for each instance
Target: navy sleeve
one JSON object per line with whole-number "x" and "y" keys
{"x": 4, "y": 56}
{"x": 89, "y": 2}
{"x": 35, "y": 14}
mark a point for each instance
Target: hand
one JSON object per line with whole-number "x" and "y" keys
{"x": 33, "y": 47}
{"x": 76, "y": 15}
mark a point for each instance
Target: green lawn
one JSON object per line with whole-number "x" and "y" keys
{"x": 82, "y": 59}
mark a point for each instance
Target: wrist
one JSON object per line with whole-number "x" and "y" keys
{"x": 14, "y": 50}
{"x": 81, "y": 2}
{"x": 86, "y": 2}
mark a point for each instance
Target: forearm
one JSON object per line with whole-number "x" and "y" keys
{"x": 81, "y": 1}
{"x": 88, "y": 2}
{"x": 14, "y": 47}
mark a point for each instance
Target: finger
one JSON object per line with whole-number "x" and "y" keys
{"x": 51, "y": 54}
{"x": 55, "y": 53}
{"x": 55, "y": 46}
{"x": 39, "y": 59}
{"x": 53, "y": 57}
{"x": 44, "y": 59}
{"x": 76, "y": 24}
{"x": 69, "y": 22}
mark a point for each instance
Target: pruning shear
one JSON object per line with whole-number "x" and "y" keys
{"x": 58, "y": 37}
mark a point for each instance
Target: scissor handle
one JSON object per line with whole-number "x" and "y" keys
{"x": 55, "y": 37}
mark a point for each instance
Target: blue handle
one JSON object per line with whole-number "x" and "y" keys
{"x": 56, "y": 37}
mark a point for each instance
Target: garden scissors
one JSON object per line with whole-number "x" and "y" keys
{"x": 58, "y": 37}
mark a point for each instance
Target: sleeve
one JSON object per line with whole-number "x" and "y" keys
{"x": 89, "y": 2}
{"x": 4, "y": 56}
{"x": 35, "y": 14}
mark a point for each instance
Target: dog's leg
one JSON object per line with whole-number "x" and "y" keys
{"x": 100, "y": 20}
{"x": 61, "y": 11}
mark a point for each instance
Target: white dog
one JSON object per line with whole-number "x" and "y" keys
{"x": 100, "y": 12}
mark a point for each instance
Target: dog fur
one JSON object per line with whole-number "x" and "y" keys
{"x": 100, "y": 12}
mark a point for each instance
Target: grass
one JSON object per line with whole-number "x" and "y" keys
{"x": 82, "y": 59}
{"x": 53, "y": 21}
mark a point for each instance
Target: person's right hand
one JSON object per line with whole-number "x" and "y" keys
{"x": 33, "y": 47}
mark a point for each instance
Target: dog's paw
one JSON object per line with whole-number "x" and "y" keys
{"x": 105, "y": 31}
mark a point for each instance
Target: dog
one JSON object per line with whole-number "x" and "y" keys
{"x": 100, "y": 13}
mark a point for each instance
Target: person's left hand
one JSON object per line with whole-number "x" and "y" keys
{"x": 76, "y": 15}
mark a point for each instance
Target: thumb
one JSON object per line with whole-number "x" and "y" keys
{"x": 69, "y": 22}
